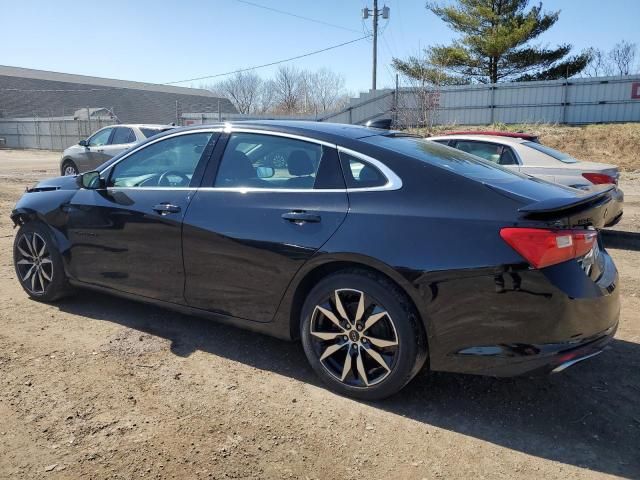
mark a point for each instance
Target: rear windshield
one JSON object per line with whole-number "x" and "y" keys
{"x": 150, "y": 132}
{"x": 445, "y": 157}
{"x": 563, "y": 157}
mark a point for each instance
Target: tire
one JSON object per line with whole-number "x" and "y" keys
{"x": 385, "y": 328}
{"x": 69, "y": 168}
{"x": 38, "y": 264}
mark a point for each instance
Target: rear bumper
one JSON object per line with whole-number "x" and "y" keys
{"x": 614, "y": 213}
{"x": 552, "y": 358}
{"x": 521, "y": 322}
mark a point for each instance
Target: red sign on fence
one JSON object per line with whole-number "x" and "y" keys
{"x": 635, "y": 90}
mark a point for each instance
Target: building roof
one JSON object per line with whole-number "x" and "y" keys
{"x": 98, "y": 81}
{"x": 36, "y": 93}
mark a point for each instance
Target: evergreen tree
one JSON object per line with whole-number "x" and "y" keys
{"x": 494, "y": 45}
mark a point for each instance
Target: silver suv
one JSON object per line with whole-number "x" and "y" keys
{"x": 104, "y": 144}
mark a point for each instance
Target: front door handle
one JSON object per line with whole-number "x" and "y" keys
{"x": 299, "y": 217}
{"x": 166, "y": 208}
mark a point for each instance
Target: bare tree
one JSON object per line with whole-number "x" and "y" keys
{"x": 599, "y": 64}
{"x": 267, "y": 97}
{"x": 242, "y": 88}
{"x": 623, "y": 56}
{"x": 418, "y": 104}
{"x": 325, "y": 89}
{"x": 289, "y": 89}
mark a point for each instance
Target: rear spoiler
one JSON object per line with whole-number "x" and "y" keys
{"x": 586, "y": 210}
{"x": 549, "y": 205}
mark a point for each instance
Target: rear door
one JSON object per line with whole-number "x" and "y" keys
{"x": 122, "y": 139}
{"x": 128, "y": 236}
{"x": 264, "y": 208}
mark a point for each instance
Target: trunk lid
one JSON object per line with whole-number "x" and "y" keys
{"x": 558, "y": 206}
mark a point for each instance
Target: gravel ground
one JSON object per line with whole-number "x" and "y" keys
{"x": 98, "y": 387}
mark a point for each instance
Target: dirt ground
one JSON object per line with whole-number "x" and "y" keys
{"x": 98, "y": 387}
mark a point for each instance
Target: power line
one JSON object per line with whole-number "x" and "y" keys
{"x": 269, "y": 64}
{"x": 297, "y": 16}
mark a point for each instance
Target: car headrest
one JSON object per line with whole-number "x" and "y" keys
{"x": 368, "y": 174}
{"x": 237, "y": 167}
{"x": 300, "y": 164}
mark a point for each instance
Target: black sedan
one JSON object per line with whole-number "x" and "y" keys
{"x": 381, "y": 251}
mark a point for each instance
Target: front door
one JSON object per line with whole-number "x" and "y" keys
{"x": 128, "y": 236}
{"x": 95, "y": 150}
{"x": 274, "y": 202}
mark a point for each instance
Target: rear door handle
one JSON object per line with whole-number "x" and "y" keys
{"x": 166, "y": 208}
{"x": 299, "y": 217}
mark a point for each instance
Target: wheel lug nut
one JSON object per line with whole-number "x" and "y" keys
{"x": 359, "y": 327}
{"x": 345, "y": 338}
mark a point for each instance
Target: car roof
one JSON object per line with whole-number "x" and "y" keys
{"x": 144, "y": 125}
{"x": 496, "y": 133}
{"x": 492, "y": 138}
{"x": 324, "y": 130}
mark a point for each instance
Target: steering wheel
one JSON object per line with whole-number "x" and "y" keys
{"x": 164, "y": 180}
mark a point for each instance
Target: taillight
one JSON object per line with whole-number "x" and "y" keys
{"x": 542, "y": 247}
{"x": 600, "y": 178}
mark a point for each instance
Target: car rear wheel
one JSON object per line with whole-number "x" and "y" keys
{"x": 361, "y": 335}
{"x": 38, "y": 263}
{"x": 69, "y": 168}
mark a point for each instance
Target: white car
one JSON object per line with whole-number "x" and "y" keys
{"x": 104, "y": 144}
{"x": 532, "y": 158}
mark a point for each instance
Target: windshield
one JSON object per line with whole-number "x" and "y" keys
{"x": 150, "y": 132}
{"x": 563, "y": 157}
{"x": 441, "y": 156}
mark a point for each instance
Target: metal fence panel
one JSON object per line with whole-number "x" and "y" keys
{"x": 573, "y": 101}
{"x": 47, "y": 134}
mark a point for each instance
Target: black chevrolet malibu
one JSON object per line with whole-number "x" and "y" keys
{"x": 380, "y": 251}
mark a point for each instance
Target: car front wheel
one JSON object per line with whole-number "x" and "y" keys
{"x": 38, "y": 263}
{"x": 69, "y": 168}
{"x": 361, "y": 335}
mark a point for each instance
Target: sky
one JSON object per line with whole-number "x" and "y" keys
{"x": 159, "y": 42}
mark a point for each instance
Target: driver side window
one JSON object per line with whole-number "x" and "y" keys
{"x": 167, "y": 163}
{"x": 100, "y": 138}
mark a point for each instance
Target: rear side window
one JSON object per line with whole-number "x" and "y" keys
{"x": 493, "y": 152}
{"x": 269, "y": 161}
{"x": 359, "y": 173}
{"x": 123, "y": 135}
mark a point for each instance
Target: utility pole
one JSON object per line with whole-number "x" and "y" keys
{"x": 375, "y": 13}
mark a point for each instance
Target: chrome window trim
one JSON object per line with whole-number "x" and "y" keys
{"x": 393, "y": 181}
{"x": 231, "y": 130}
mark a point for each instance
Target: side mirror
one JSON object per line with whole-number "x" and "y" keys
{"x": 89, "y": 180}
{"x": 265, "y": 172}
{"x": 83, "y": 143}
